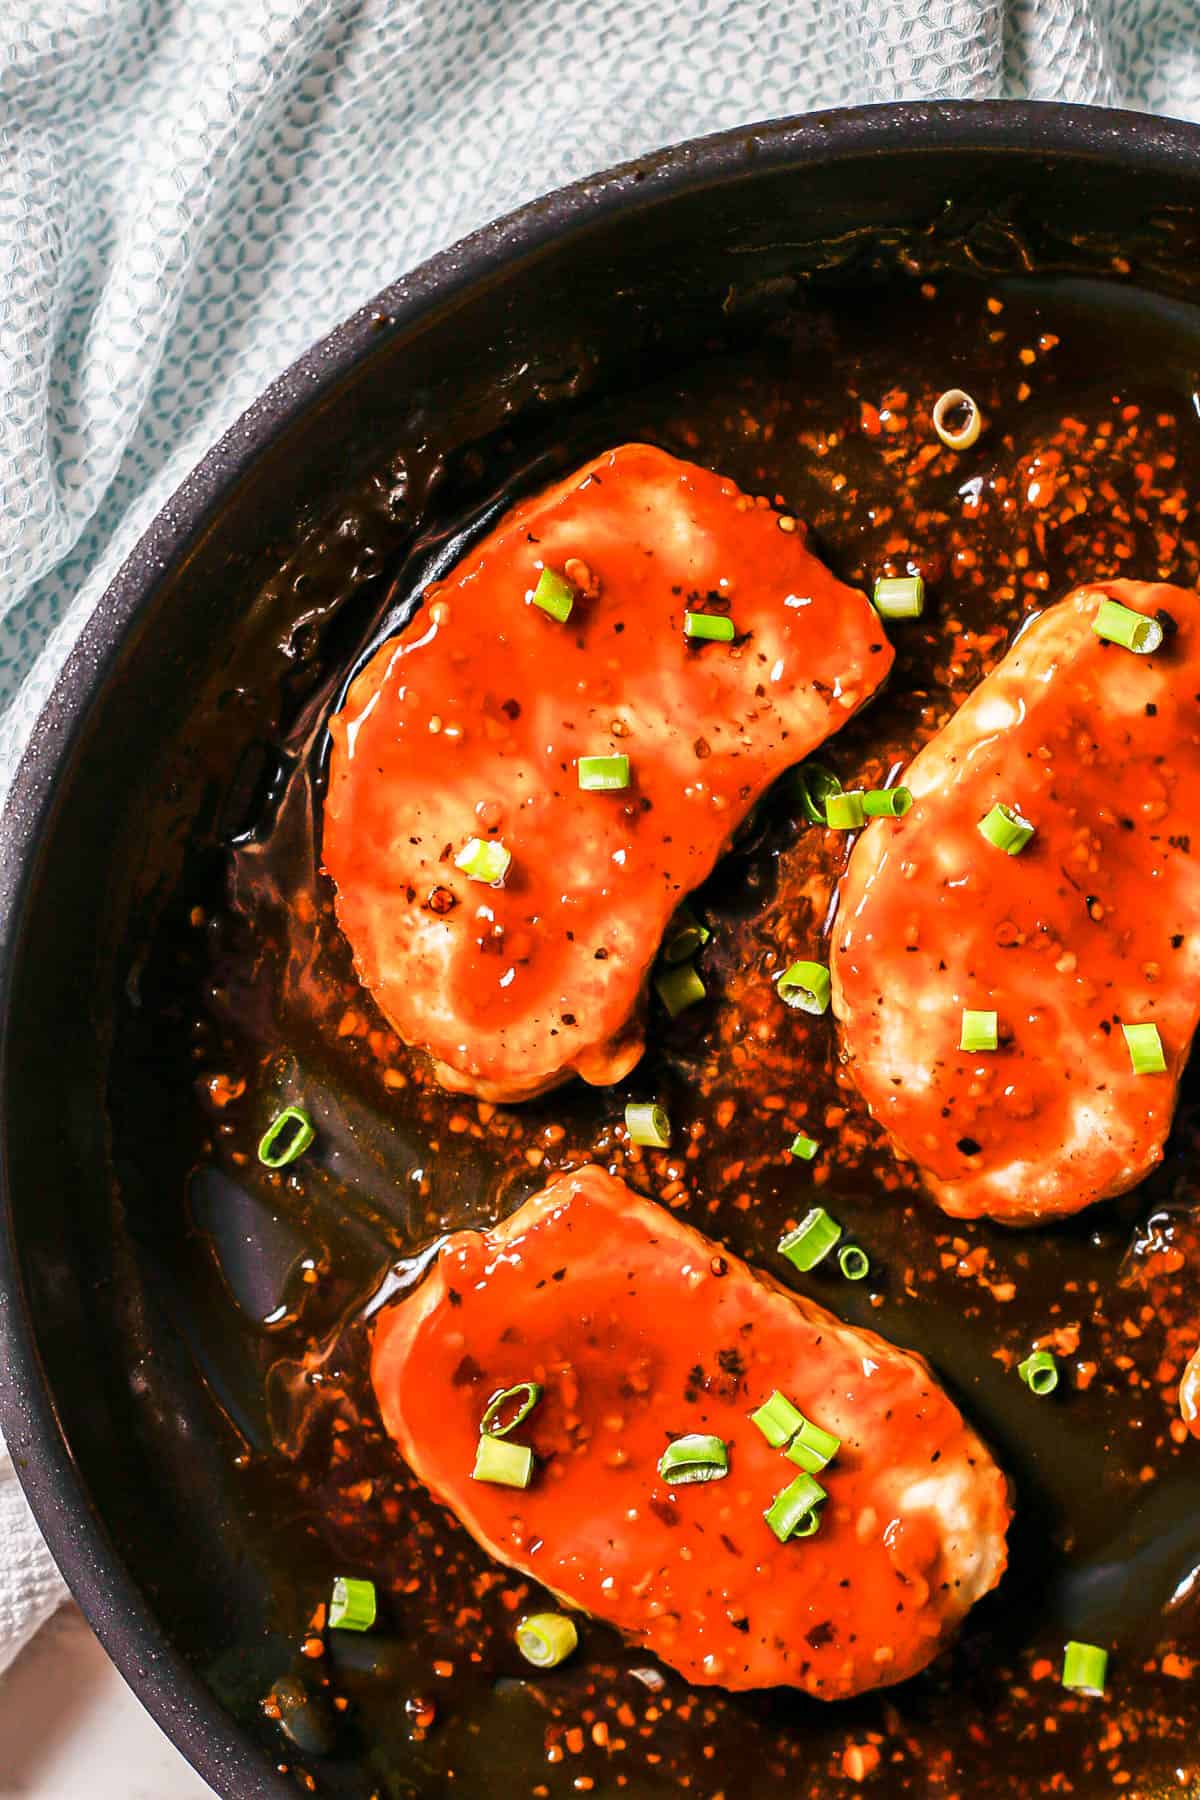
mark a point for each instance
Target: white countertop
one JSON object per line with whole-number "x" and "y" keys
{"x": 71, "y": 1730}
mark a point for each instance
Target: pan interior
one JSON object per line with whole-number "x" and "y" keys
{"x": 167, "y": 1291}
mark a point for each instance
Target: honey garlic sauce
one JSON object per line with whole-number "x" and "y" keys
{"x": 637, "y": 1335}
{"x": 1085, "y": 473}
{"x": 1092, "y": 926}
{"x": 470, "y": 727}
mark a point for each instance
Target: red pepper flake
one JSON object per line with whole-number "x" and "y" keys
{"x": 859, "y": 1761}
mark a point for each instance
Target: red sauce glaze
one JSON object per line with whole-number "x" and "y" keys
{"x": 641, "y": 1332}
{"x": 470, "y": 724}
{"x": 1189, "y": 1394}
{"x": 1095, "y": 924}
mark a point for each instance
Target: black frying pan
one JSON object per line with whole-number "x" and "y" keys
{"x": 120, "y": 1433}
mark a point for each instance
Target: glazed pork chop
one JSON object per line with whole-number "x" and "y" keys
{"x": 1089, "y": 927}
{"x": 466, "y": 741}
{"x": 640, "y": 1331}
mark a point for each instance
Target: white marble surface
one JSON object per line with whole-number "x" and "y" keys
{"x": 71, "y": 1730}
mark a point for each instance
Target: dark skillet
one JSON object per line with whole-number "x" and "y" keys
{"x": 162, "y": 750}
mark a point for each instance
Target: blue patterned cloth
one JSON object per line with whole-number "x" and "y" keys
{"x": 191, "y": 191}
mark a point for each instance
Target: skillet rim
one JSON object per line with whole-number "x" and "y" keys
{"x": 101, "y": 1582}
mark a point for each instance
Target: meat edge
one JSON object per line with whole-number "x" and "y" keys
{"x": 418, "y": 1306}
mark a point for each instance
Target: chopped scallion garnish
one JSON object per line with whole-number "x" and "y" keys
{"x": 811, "y": 1241}
{"x": 287, "y": 1136}
{"x": 853, "y": 1262}
{"x": 900, "y": 596}
{"x": 813, "y": 1448}
{"x": 794, "y": 1510}
{"x": 778, "y": 1420}
{"x": 1085, "y": 1667}
{"x": 1145, "y": 1049}
{"x": 484, "y": 859}
{"x": 504, "y": 1463}
{"x": 546, "y": 1639}
{"x": 679, "y": 988}
{"x": 647, "y": 1124}
{"x": 603, "y": 774}
{"x": 696, "y": 1457}
{"x": 555, "y": 595}
{"x": 980, "y": 1031}
{"x": 887, "y": 803}
{"x": 845, "y": 811}
{"x": 685, "y": 936}
{"x": 526, "y": 1395}
{"x": 816, "y": 784}
{"x": 948, "y": 409}
{"x": 804, "y": 1147}
{"x": 805, "y": 986}
{"x": 1119, "y": 624}
{"x": 708, "y": 627}
{"x": 1039, "y": 1372}
{"x": 352, "y": 1604}
{"x": 1006, "y": 829}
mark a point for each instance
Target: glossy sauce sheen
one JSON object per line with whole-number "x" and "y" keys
{"x": 471, "y": 723}
{"x": 243, "y": 994}
{"x": 1095, "y": 923}
{"x": 640, "y": 1332}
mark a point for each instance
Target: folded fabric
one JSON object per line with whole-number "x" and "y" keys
{"x": 30, "y": 1585}
{"x": 191, "y": 191}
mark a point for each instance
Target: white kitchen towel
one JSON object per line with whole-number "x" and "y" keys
{"x": 30, "y": 1585}
{"x": 191, "y": 191}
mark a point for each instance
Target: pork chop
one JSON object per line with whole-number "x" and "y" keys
{"x": 465, "y": 738}
{"x": 639, "y": 1330}
{"x": 1091, "y": 927}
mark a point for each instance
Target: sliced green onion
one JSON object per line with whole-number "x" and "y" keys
{"x": 1145, "y": 1049}
{"x": 710, "y": 627}
{"x": 811, "y": 1241}
{"x": 845, "y": 812}
{"x": 555, "y": 595}
{"x": 804, "y": 1147}
{"x": 484, "y": 859}
{"x": 686, "y": 936}
{"x": 504, "y": 1463}
{"x": 352, "y": 1604}
{"x": 1005, "y": 827}
{"x": 1039, "y": 1372}
{"x": 1084, "y": 1668}
{"x": 793, "y": 1511}
{"x": 696, "y": 1457}
{"x": 778, "y": 1420}
{"x": 817, "y": 785}
{"x": 887, "y": 803}
{"x": 853, "y": 1262}
{"x": 805, "y": 986}
{"x": 546, "y": 1639}
{"x": 979, "y": 1031}
{"x": 900, "y": 596}
{"x": 813, "y": 1448}
{"x": 647, "y": 1124}
{"x": 957, "y": 437}
{"x": 679, "y": 988}
{"x": 1119, "y": 624}
{"x": 603, "y": 774}
{"x": 287, "y": 1136}
{"x": 528, "y": 1393}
